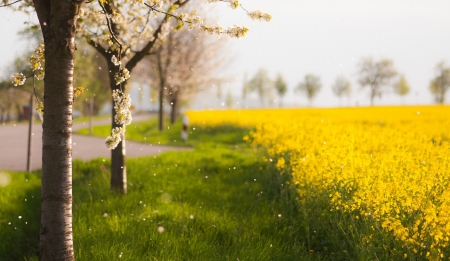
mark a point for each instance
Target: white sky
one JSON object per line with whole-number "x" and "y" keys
{"x": 324, "y": 37}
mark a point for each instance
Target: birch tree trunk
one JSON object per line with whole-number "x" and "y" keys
{"x": 57, "y": 20}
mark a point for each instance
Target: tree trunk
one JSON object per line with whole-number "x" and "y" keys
{"x": 442, "y": 96}
{"x": 118, "y": 155}
{"x": 57, "y": 19}
{"x": 118, "y": 164}
{"x": 161, "y": 107}
{"x": 173, "y": 113}
{"x": 372, "y": 94}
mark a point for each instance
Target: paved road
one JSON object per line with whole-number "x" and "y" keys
{"x": 13, "y": 148}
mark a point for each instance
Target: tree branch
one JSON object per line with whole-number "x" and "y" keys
{"x": 10, "y": 3}
{"x": 146, "y": 50}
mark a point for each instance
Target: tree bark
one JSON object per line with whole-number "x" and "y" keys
{"x": 173, "y": 113}
{"x": 57, "y": 20}
{"x": 118, "y": 155}
{"x": 162, "y": 71}
{"x": 161, "y": 107}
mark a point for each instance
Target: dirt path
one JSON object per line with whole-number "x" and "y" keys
{"x": 13, "y": 148}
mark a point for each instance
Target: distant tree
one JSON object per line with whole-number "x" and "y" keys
{"x": 245, "y": 88}
{"x": 341, "y": 87}
{"x": 184, "y": 64}
{"x": 441, "y": 83}
{"x": 401, "y": 87}
{"x": 12, "y": 98}
{"x": 280, "y": 87}
{"x": 262, "y": 84}
{"x": 229, "y": 100}
{"x": 91, "y": 74}
{"x": 11, "y": 101}
{"x": 219, "y": 89}
{"x": 310, "y": 86}
{"x": 376, "y": 75}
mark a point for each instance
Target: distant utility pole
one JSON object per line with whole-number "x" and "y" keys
{"x": 30, "y": 132}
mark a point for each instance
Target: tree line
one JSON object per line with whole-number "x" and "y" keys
{"x": 376, "y": 76}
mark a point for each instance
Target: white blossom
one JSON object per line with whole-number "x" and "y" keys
{"x": 117, "y": 131}
{"x": 260, "y": 15}
{"x": 121, "y": 76}
{"x": 196, "y": 21}
{"x": 115, "y": 61}
{"x": 182, "y": 16}
{"x": 232, "y": 3}
{"x": 156, "y": 3}
{"x": 213, "y": 30}
{"x": 237, "y": 31}
{"x": 39, "y": 74}
{"x": 122, "y": 104}
{"x": 18, "y": 79}
{"x": 112, "y": 142}
{"x": 40, "y": 110}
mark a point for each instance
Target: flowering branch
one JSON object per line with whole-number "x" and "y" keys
{"x": 108, "y": 22}
{"x": 10, "y": 3}
{"x": 235, "y": 31}
{"x": 254, "y": 15}
{"x": 122, "y": 105}
{"x": 37, "y": 61}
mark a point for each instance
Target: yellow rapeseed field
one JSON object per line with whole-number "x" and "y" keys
{"x": 387, "y": 164}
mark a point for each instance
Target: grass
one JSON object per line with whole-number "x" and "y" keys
{"x": 86, "y": 118}
{"x": 148, "y": 132}
{"x": 20, "y": 194}
{"x": 221, "y": 201}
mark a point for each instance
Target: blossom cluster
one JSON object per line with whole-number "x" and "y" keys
{"x": 121, "y": 76}
{"x": 122, "y": 105}
{"x": 77, "y": 91}
{"x": 123, "y": 73}
{"x": 232, "y": 3}
{"x": 18, "y": 79}
{"x": 40, "y": 110}
{"x": 156, "y": 3}
{"x": 235, "y": 31}
{"x": 37, "y": 58}
{"x": 115, "y": 60}
{"x": 36, "y": 61}
{"x": 213, "y": 30}
{"x": 115, "y": 138}
{"x": 259, "y": 15}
